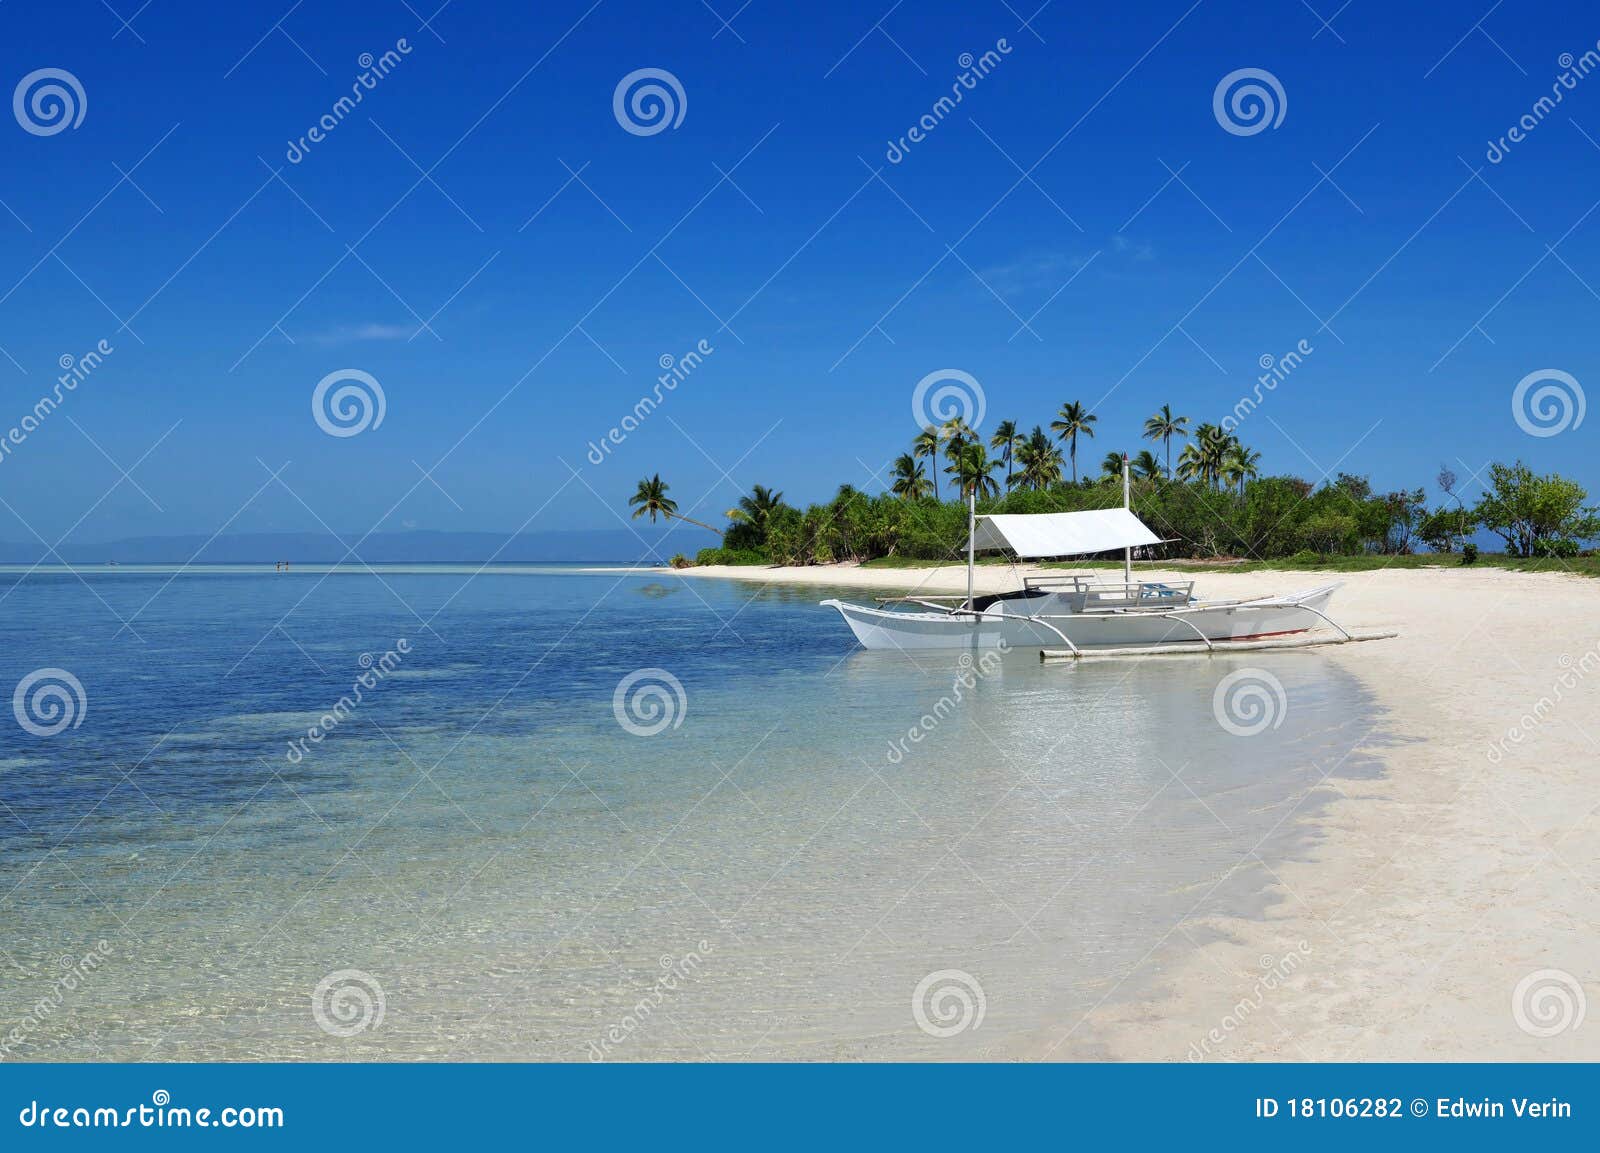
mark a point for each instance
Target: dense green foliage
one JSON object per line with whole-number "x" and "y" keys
{"x": 1209, "y": 503}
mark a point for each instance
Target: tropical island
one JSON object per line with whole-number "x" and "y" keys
{"x": 1212, "y": 503}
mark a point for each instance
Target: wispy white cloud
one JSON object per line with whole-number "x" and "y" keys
{"x": 351, "y": 333}
{"x": 1030, "y": 272}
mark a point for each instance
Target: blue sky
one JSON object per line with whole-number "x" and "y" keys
{"x": 825, "y": 291}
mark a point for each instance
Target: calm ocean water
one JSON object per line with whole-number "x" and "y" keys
{"x": 486, "y": 856}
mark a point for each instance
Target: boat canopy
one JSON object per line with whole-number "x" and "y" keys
{"x": 1063, "y": 533}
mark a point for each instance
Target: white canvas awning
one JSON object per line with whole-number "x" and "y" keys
{"x": 1063, "y": 533}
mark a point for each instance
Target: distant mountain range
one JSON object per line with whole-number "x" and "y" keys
{"x": 609, "y": 546}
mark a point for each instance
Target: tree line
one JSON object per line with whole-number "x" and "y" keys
{"x": 1212, "y": 502}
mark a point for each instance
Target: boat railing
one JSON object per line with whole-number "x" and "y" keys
{"x": 1095, "y": 595}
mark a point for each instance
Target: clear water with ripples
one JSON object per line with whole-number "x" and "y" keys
{"x": 767, "y": 877}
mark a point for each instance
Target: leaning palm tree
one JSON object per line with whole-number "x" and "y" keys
{"x": 1163, "y": 426}
{"x": 1073, "y": 420}
{"x": 1146, "y": 466}
{"x": 1006, "y": 440}
{"x": 652, "y": 499}
{"x": 926, "y": 445}
{"x": 910, "y": 482}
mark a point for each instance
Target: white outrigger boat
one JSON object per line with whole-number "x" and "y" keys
{"x": 1079, "y": 612}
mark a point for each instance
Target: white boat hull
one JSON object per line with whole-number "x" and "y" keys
{"x": 1216, "y": 621}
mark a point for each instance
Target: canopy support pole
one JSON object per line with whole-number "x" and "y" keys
{"x": 972, "y": 538}
{"x": 1127, "y": 503}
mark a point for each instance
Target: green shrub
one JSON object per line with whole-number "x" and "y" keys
{"x": 730, "y": 556}
{"x": 1558, "y": 547}
{"x": 1469, "y": 553}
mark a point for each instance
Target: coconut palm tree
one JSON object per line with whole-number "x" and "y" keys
{"x": 1006, "y": 440}
{"x": 957, "y": 434}
{"x": 1202, "y": 460}
{"x": 910, "y": 482}
{"x": 757, "y": 508}
{"x": 1146, "y": 466}
{"x": 972, "y": 468}
{"x": 1240, "y": 465}
{"x": 652, "y": 499}
{"x": 926, "y": 445}
{"x": 1040, "y": 460}
{"x": 1111, "y": 466}
{"x": 1163, "y": 426}
{"x": 1191, "y": 463}
{"x": 1073, "y": 420}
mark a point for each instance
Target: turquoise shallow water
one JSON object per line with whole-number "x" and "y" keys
{"x": 523, "y": 875}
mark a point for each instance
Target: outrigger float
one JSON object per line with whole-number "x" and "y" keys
{"x": 1071, "y": 617}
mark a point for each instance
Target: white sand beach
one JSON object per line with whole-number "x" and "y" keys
{"x": 1432, "y": 893}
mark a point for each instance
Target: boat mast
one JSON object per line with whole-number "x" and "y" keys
{"x": 972, "y": 537}
{"x": 1127, "y": 503}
